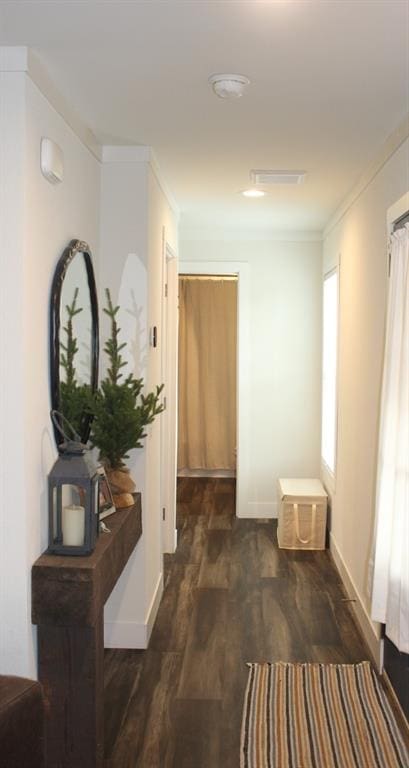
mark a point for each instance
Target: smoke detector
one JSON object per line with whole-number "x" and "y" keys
{"x": 228, "y": 86}
{"x": 277, "y": 177}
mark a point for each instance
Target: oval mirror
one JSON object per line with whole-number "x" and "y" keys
{"x": 74, "y": 337}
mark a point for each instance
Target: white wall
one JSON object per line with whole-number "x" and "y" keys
{"x": 16, "y": 646}
{"x": 359, "y": 240}
{"x": 284, "y": 363}
{"x": 38, "y": 220}
{"x": 134, "y": 211}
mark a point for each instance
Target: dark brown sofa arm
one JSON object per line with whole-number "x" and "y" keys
{"x": 21, "y": 723}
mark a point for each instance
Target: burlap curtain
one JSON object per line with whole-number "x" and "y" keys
{"x": 207, "y": 373}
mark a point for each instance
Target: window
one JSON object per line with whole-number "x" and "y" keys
{"x": 329, "y": 370}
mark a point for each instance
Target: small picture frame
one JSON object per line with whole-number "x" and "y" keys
{"x": 106, "y": 502}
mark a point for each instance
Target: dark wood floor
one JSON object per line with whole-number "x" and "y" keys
{"x": 231, "y": 596}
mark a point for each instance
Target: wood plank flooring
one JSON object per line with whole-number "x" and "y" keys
{"x": 231, "y": 596}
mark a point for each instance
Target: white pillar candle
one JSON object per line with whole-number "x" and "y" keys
{"x": 73, "y": 525}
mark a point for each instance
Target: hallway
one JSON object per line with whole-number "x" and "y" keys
{"x": 231, "y": 596}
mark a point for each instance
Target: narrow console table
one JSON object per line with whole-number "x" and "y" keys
{"x": 68, "y": 597}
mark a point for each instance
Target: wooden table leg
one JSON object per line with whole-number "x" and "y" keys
{"x": 71, "y": 669}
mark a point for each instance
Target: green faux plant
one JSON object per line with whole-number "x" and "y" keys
{"x": 74, "y": 397}
{"x": 120, "y": 409}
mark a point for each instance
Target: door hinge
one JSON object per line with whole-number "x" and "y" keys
{"x": 163, "y": 513}
{"x": 166, "y": 290}
{"x": 164, "y": 402}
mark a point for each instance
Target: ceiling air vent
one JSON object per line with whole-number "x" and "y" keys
{"x": 277, "y": 177}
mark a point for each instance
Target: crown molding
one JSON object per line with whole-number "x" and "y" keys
{"x": 390, "y": 146}
{"x": 22, "y": 59}
{"x": 194, "y": 234}
{"x": 42, "y": 80}
{"x": 112, "y": 153}
{"x": 164, "y": 186}
{"x": 13, "y": 58}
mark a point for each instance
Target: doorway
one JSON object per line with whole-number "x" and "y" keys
{"x": 207, "y": 425}
{"x": 242, "y": 271}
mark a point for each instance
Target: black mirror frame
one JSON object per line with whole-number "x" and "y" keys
{"x": 74, "y": 247}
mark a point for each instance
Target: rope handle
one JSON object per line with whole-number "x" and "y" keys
{"x": 297, "y": 523}
{"x": 56, "y": 418}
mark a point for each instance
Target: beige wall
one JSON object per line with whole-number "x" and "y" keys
{"x": 37, "y": 221}
{"x": 282, "y": 404}
{"x": 134, "y": 211}
{"x": 359, "y": 241}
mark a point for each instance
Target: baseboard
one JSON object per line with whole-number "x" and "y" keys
{"x": 373, "y": 641}
{"x": 261, "y": 509}
{"x": 170, "y": 539}
{"x": 133, "y": 634}
{"x": 153, "y": 608}
{"x": 125, "y": 634}
{"x": 404, "y": 724}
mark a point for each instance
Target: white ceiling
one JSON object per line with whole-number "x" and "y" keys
{"x": 329, "y": 83}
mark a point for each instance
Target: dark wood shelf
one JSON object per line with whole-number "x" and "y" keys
{"x": 68, "y": 597}
{"x": 73, "y": 590}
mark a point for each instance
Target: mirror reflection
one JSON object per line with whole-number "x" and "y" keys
{"x": 74, "y": 337}
{"x": 75, "y": 342}
{"x": 76, "y": 312}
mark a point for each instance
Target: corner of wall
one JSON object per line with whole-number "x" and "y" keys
{"x": 357, "y": 237}
{"x": 368, "y": 628}
{"x": 134, "y": 634}
{"x": 134, "y": 210}
{"x": 37, "y": 220}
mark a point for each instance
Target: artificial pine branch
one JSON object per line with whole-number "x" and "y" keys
{"x": 73, "y": 396}
{"x": 112, "y": 347}
{"x": 120, "y": 410}
{"x": 71, "y": 346}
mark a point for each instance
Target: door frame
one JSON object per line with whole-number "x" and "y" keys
{"x": 241, "y": 269}
{"x": 169, "y": 367}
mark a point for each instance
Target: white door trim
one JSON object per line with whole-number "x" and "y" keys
{"x": 242, "y": 270}
{"x": 169, "y": 377}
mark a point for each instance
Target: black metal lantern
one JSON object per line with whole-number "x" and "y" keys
{"x": 73, "y": 488}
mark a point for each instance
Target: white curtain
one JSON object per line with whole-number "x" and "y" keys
{"x": 390, "y": 595}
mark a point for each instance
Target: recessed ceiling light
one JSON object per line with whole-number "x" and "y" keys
{"x": 253, "y": 193}
{"x": 228, "y": 86}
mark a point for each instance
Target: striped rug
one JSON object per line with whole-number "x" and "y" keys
{"x": 318, "y": 716}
